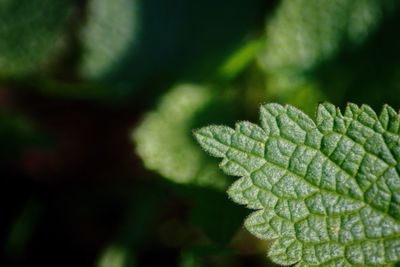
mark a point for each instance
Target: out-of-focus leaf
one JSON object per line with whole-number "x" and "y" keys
{"x": 32, "y": 33}
{"x": 164, "y": 138}
{"x": 110, "y": 31}
{"x": 129, "y": 44}
{"x": 370, "y": 74}
{"x": 115, "y": 256}
{"x": 304, "y": 33}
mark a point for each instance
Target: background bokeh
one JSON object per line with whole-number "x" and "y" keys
{"x": 98, "y": 100}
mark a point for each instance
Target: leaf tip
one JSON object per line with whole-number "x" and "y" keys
{"x": 214, "y": 139}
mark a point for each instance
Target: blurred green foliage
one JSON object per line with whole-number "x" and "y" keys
{"x": 114, "y": 256}
{"x": 32, "y": 33}
{"x": 164, "y": 139}
{"x": 107, "y": 37}
{"x": 306, "y": 38}
{"x": 303, "y": 34}
{"x": 99, "y": 98}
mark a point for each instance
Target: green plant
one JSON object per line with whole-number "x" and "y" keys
{"x": 163, "y": 139}
{"x": 32, "y": 31}
{"x": 328, "y": 191}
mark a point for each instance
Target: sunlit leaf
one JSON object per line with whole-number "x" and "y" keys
{"x": 128, "y": 44}
{"x": 304, "y": 33}
{"x": 109, "y": 32}
{"x": 164, "y": 138}
{"x": 327, "y": 191}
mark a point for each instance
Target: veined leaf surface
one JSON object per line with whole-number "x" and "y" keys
{"x": 327, "y": 191}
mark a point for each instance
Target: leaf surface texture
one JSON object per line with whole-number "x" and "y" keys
{"x": 327, "y": 191}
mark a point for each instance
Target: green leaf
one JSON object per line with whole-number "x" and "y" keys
{"x": 367, "y": 75}
{"x": 327, "y": 191}
{"x": 304, "y": 33}
{"x": 114, "y": 256}
{"x": 164, "y": 142}
{"x": 32, "y": 32}
{"x": 106, "y": 37}
{"x": 153, "y": 42}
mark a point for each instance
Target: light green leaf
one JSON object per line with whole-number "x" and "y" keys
{"x": 164, "y": 139}
{"x": 304, "y": 33}
{"x": 133, "y": 44}
{"x": 366, "y": 75}
{"x": 328, "y": 191}
{"x": 32, "y": 32}
{"x": 109, "y": 33}
{"x": 114, "y": 256}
